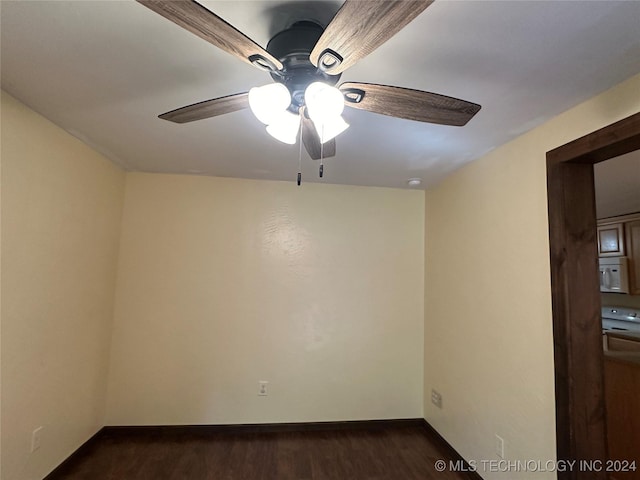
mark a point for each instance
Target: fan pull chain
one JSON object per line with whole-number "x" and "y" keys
{"x": 321, "y": 171}
{"x": 300, "y": 159}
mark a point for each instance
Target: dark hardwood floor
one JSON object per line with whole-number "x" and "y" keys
{"x": 380, "y": 453}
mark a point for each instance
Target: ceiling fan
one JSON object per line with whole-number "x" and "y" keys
{"x": 306, "y": 61}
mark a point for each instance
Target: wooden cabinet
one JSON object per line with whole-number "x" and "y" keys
{"x": 620, "y": 237}
{"x": 632, "y": 241}
{"x": 611, "y": 240}
{"x": 621, "y": 343}
{"x": 622, "y": 402}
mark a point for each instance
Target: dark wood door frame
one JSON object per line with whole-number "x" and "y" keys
{"x": 577, "y": 331}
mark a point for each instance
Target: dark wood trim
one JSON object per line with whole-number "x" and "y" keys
{"x": 579, "y": 371}
{"x": 608, "y": 142}
{"x": 579, "y": 380}
{"x": 154, "y": 430}
{"x": 439, "y": 440}
{"x": 82, "y": 451}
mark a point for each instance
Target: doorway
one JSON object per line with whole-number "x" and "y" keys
{"x": 577, "y": 330}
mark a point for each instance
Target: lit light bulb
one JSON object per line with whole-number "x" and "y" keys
{"x": 269, "y": 101}
{"x": 284, "y": 127}
{"x": 323, "y": 101}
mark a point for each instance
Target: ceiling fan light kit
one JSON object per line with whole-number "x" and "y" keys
{"x": 285, "y": 127}
{"x": 323, "y": 101}
{"x": 270, "y": 104}
{"x": 306, "y": 61}
{"x": 268, "y": 101}
{"x": 325, "y": 104}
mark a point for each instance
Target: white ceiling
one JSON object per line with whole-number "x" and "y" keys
{"x": 104, "y": 70}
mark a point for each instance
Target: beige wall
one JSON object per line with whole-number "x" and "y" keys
{"x": 61, "y": 211}
{"x": 318, "y": 290}
{"x": 225, "y": 282}
{"x": 488, "y": 334}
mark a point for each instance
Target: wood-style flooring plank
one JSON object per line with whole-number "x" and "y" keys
{"x": 384, "y": 453}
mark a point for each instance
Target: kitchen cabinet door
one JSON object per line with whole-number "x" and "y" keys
{"x": 633, "y": 252}
{"x": 622, "y": 403}
{"x": 611, "y": 240}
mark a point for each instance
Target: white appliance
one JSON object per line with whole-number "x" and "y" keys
{"x": 613, "y": 275}
{"x": 621, "y": 319}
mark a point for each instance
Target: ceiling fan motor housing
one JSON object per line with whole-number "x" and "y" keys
{"x": 292, "y": 47}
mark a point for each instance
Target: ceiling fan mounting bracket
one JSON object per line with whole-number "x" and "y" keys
{"x": 292, "y": 47}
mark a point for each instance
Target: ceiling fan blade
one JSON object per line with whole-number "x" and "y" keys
{"x": 208, "y": 108}
{"x": 360, "y": 27}
{"x": 408, "y": 103}
{"x": 311, "y": 139}
{"x": 192, "y": 16}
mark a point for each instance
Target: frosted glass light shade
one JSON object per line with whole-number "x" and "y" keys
{"x": 285, "y": 127}
{"x": 323, "y": 101}
{"x": 330, "y": 128}
{"x": 269, "y": 101}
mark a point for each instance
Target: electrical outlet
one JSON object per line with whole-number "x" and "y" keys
{"x": 436, "y": 399}
{"x": 36, "y": 437}
{"x": 262, "y": 388}
{"x": 499, "y": 446}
